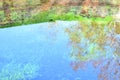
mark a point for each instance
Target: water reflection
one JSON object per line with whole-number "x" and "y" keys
{"x": 47, "y": 51}
{"x": 96, "y": 44}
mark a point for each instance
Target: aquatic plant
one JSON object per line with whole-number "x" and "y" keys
{"x": 15, "y": 71}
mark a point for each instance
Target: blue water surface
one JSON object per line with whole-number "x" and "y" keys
{"x": 39, "y": 52}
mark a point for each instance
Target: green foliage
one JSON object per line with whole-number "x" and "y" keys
{"x": 2, "y": 17}
{"x": 12, "y": 24}
{"x": 48, "y": 16}
{"x": 41, "y": 17}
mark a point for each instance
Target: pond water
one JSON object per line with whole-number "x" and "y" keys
{"x": 40, "y": 52}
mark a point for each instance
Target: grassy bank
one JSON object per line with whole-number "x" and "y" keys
{"x": 48, "y": 16}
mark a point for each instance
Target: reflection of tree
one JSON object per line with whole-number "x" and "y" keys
{"x": 110, "y": 70}
{"x": 87, "y": 41}
{"x": 95, "y": 43}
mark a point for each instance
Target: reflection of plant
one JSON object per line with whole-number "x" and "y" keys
{"x": 14, "y": 71}
{"x": 96, "y": 43}
{"x": 109, "y": 70}
{"x": 88, "y": 40}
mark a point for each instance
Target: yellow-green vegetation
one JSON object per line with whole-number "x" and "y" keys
{"x": 43, "y": 1}
{"x": 117, "y": 27}
{"x": 48, "y": 16}
{"x": 93, "y": 39}
{"x": 13, "y": 71}
{"x": 1, "y": 4}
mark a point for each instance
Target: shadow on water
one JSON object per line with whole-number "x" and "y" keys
{"x": 61, "y": 50}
